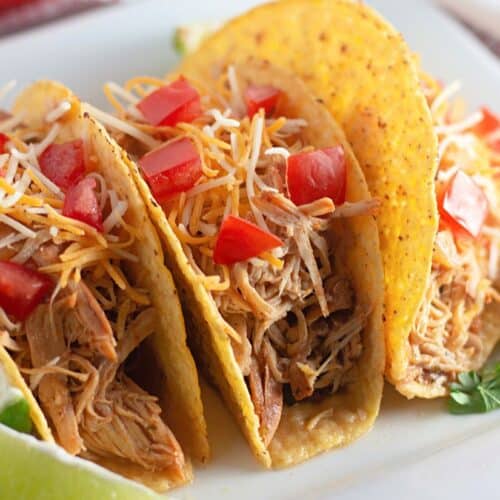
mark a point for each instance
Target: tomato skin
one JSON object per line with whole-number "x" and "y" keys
{"x": 63, "y": 164}
{"x": 240, "y": 240}
{"x": 261, "y": 96}
{"x": 487, "y": 125}
{"x": 22, "y": 289}
{"x": 3, "y": 140}
{"x": 317, "y": 174}
{"x": 171, "y": 104}
{"x": 463, "y": 205}
{"x": 171, "y": 169}
{"x": 81, "y": 203}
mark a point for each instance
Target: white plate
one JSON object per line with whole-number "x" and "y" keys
{"x": 416, "y": 450}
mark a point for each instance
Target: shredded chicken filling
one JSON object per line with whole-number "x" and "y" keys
{"x": 74, "y": 346}
{"x": 296, "y": 325}
{"x": 447, "y": 337}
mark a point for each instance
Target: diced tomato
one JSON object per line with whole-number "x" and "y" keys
{"x": 3, "y": 140}
{"x": 81, "y": 203}
{"x": 318, "y": 174}
{"x": 22, "y": 289}
{"x": 489, "y": 123}
{"x": 463, "y": 205}
{"x": 171, "y": 169}
{"x": 264, "y": 96}
{"x": 240, "y": 240}
{"x": 63, "y": 164}
{"x": 169, "y": 105}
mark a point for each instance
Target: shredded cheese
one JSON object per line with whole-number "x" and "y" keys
{"x": 58, "y": 112}
{"x": 460, "y": 126}
{"x": 122, "y": 126}
{"x": 28, "y": 233}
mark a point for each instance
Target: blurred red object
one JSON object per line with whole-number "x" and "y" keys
{"x": 8, "y": 4}
{"x": 19, "y": 14}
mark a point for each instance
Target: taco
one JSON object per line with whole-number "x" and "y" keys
{"x": 268, "y": 228}
{"x": 456, "y": 326}
{"x": 91, "y": 331}
{"x": 368, "y": 79}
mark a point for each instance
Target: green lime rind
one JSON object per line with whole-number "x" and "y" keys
{"x": 34, "y": 470}
{"x": 17, "y": 416}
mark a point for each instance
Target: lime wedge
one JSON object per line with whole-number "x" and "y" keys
{"x": 17, "y": 416}
{"x": 34, "y": 470}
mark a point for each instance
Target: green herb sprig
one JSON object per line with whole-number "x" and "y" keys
{"x": 475, "y": 392}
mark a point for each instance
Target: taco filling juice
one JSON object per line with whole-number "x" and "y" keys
{"x": 70, "y": 317}
{"x": 252, "y": 204}
{"x": 448, "y": 336}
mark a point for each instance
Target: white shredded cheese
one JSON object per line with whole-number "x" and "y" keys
{"x": 48, "y": 140}
{"x": 46, "y": 181}
{"x": 124, "y": 94}
{"x": 20, "y": 188}
{"x": 234, "y": 146}
{"x": 11, "y": 169}
{"x": 207, "y": 229}
{"x": 188, "y": 209}
{"x": 127, "y": 96}
{"x": 291, "y": 126}
{"x": 17, "y": 226}
{"x": 208, "y": 131}
{"x": 126, "y": 255}
{"x": 211, "y": 184}
{"x": 460, "y": 126}
{"x": 445, "y": 95}
{"x": 277, "y": 151}
{"x": 251, "y": 165}
{"x": 227, "y": 208}
{"x": 59, "y": 112}
{"x": 10, "y": 239}
{"x": 121, "y": 125}
{"x": 221, "y": 120}
{"x": 37, "y": 210}
{"x": 115, "y": 216}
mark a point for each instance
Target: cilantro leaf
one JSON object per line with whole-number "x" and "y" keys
{"x": 475, "y": 392}
{"x": 17, "y": 416}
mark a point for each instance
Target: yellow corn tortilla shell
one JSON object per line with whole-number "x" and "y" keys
{"x": 362, "y": 70}
{"x": 355, "y": 408}
{"x": 180, "y": 390}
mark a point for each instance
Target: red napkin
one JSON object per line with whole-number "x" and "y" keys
{"x": 18, "y": 14}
